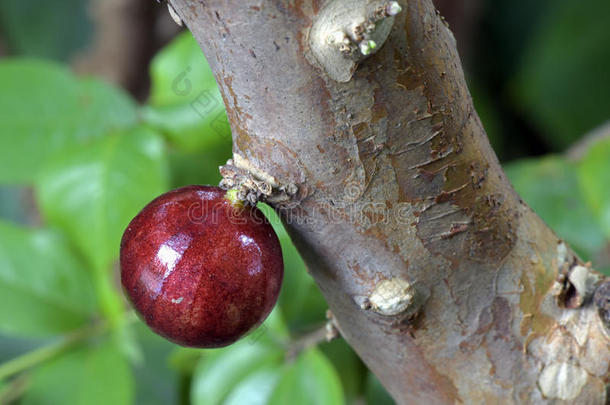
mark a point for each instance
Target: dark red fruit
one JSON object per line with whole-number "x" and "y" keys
{"x": 201, "y": 270}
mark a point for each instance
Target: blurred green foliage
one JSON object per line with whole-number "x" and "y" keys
{"x": 93, "y": 159}
{"x": 35, "y": 302}
{"x": 45, "y": 29}
{"x": 96, "y": 374}
{"x": 539, "y": 72}
{"x": 184, "y": 100}
{"x": 594, "y": 176}
{"x": 79, "y": 158}
{"x": 45, "y": 110}
{"x": 551, "y": 187}
{"x": 563, "y": 83}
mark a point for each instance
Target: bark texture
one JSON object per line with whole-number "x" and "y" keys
{"x": 444, "y": 282}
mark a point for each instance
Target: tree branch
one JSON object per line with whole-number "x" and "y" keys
{"x": 444, "y": 282}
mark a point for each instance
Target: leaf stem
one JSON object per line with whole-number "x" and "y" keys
{"x": 37, "y": 356}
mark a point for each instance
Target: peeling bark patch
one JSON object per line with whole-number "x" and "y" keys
{"x": 438, "y": 163}
{"x": 562, "y": 381}
{"x": 494, "y": 336}
{"x": 368, "y": 148}
{"x": 379, "y": 111}
{"x": 494, "y": 229}
{"x": 419, "y": 164}
{"x": 441, "y": 228}
{"x": 502, "y": 345}
{"x": 501, "y": 311}
{"x": 271, "y": 156}
{"x": 478, "y": 174}
{"x": 474, "y": 341}
{"x": 535, "y": 323}
{"x": 419, "y": 148}
{"x": 237, "y": 117}
{"x": 414, "y": 187}
{"x": 371, "y": 137}
{"x": 493, "y": 226}
{"x": 485, "y": 232}
{"x": 407, "y": 78}
{"x": 602, "y": 301}
{"x": 448, "y": 387}
{"x": 360, "y": 275}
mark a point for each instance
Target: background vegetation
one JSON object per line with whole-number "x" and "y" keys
{"x": 79, "y": 157}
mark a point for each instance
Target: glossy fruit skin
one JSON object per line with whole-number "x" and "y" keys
{"x": 199, "y": 270}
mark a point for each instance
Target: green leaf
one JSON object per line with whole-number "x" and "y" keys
{"x": 123, "y": 333}
{"x": 221, "y": 370}
{"x": 350, "y": 368}
{"x": 563, "y": 83}
{"x": 256, "y": 388}
{"x": 92, "y": 192}
{"x": 185, "y": 103}
{"x": 300, "y": 299}
{"x": 44, "y": 109}
{"x": 156, "y": 382}
{"x": 312, "y": 379}
{"x": 184, "y": 360}
{"x": 86, "y": 376}
{"x": 594, "y": 172}
{"x": 550, "y": 187}
{"x": 44, "y": 288}
{"x": 198, "y": 167}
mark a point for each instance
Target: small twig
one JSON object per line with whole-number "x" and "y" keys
{"x": 323, "y": 334}
{"x": 14, "y": 389}
{"x": 52, "y": 350}
{"x": 306, "y": 341}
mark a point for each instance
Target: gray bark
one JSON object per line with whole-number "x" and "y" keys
{"x": 445, "y": 283}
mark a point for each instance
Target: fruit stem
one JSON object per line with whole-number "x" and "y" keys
{"x": 231, "y": 195}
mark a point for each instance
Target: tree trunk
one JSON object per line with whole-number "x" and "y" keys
{"x": 445, "y": 283}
